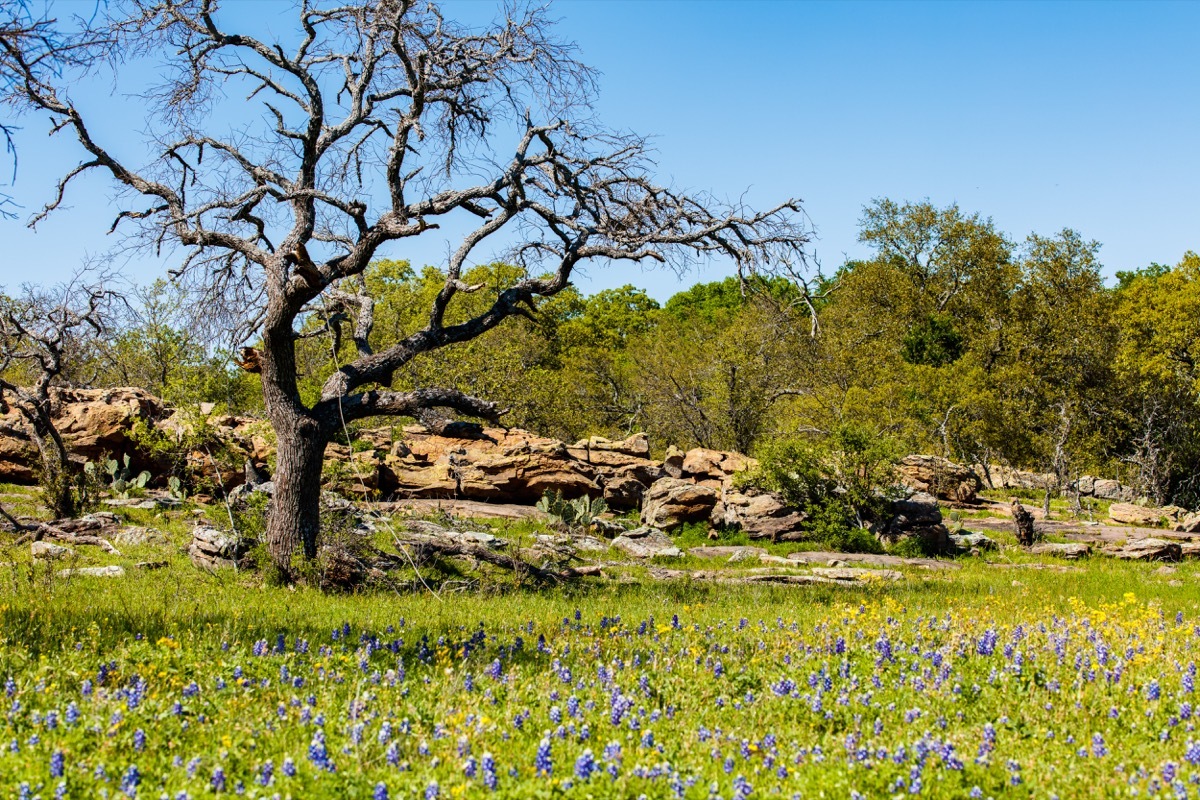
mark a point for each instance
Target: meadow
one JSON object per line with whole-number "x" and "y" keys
{"x": 980, "y": 682}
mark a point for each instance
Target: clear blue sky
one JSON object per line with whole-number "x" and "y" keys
{"x": 1041, "y": 115}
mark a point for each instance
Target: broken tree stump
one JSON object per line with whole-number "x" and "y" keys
{"x": 1023, "y": 520}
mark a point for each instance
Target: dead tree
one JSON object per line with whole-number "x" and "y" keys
{"x": 368, "y": 124}
{"x": 40, "y": 332}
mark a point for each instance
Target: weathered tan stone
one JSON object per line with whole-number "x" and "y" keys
{"x": 1071, "y": 551}
{"x": 761, "y": 515}
{"x": 939, "y": 477}
{"x": 1148, "y": 549}
{"x": 671, "y": 502}
{"x": 1130, "y": 514}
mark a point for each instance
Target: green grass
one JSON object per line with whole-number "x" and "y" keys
{"x": 155, "y": 633}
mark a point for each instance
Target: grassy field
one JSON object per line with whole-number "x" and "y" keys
{"x": 982, "y": 681}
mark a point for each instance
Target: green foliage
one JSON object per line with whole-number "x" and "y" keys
{"x": 842, "y": 483}
{"x": 933, "y": 342}
{"x": 121, "y": 482}
{"x": 577, "y": 514}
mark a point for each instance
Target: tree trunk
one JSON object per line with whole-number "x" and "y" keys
{"x": 55, "y": 476}
{"x": 294, "y": 518}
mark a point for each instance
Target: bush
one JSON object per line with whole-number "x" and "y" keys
{"x": 843, "y": 483}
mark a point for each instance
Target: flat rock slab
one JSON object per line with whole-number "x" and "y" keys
{"x": 135, "y": 535}
{"x": 823, "y": 557}
{"x": 1071, "y": 551}
{"x": 1095, "y": 534}
{"x": 112, "y": 571}
{"x": 1048, "y": 567}
{"x": 725, "y": 551}
{"x": 463, "y": 509}
{"x": 857, "y": 574}
{"x": 647, "y": 543}
{"x": 1190, "y": 549}
{"x": 1148, "y": 549}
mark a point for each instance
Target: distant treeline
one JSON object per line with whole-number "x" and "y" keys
{"x": 952, "y": 339}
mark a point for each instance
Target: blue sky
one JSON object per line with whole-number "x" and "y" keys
{"x": 1040, "y": 115}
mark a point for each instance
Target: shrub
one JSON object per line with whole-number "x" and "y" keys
{"x": 843, "y": 483}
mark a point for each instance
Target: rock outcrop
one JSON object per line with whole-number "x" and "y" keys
{"x": 939, "y": 477}
{"x": 212, "y": 548}
{"x": 1148, "y": 549}
{"x": 94, "y": 424}
{"x": 672, "y": 502}
{"x": 759, "y": 514}
{"x": 917, "y": 517}
{"x": 1138, "y": 516}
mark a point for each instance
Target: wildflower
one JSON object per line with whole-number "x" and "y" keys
{"x": 130, "y": 781}
{"x": 381, "y": 792}
{"x": 432, "y": 791}
{"x": 488, "y": 764}
{"x": 585, "y": 765}
{"x": 542, "y": 762}
{"x": 218, "y": 779}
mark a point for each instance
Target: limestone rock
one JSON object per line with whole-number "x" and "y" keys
{"x": 967, "y": 541}
{"x": 760, "y": 515}
{"x": 673, "y": 462}
{"x": 1190, "y": 523}
{"x": 1148, "y": 549}
{"x": 647, "y": 543}
{"x": 714, "y": 467}
{"x": 1140, "y": 516}
{"x": 111, "y": 571}
{"x": 1190, "y": 549}
{"x": 46, "y": 551}
{"x": 211, "y": 548}
{"x": 1113, "y": 490}
{"x": 94, "y": 423}
{"x": 1071, "y": 551}
{"x": 671, "y": 502}
{"x": 726, "y": 552}
{"x": 857, "y": 574}
{"x": 939, "y": 477}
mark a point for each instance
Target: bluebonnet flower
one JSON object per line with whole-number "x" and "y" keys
{"x": 130, "y": 781}
{"x": 432, "y": 791}
{"x": 1153, "y": 692}
{"x": 218, "y": 779}
{"x": 585, "y": 765}
{"x": 488, "y": 764}
{"x": 318, "y": 754}
{"x": 289, "y": 767}
{"x": 56, "y": 764}
{"x": 542, "y": 763}
{"x": 381, "y": 792}
{"x": 1099, "y": 749}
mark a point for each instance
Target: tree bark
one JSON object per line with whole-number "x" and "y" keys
{"x": 293, "y": 521}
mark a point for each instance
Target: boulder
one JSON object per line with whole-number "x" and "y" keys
{"x": 1189, "y": 549}
{"x": 1189, "y": 524}
{"x": 493, "y": 464}
{"x": 967, "y": 541}
{"x": 759, "y": 514}
{"x": 212, "y": 548}
{"x": 714, "y": 467}
{"x": 1113, "y": 490}
{"x": 1148, "y": 549}
{"x": 918, "y": 517}
{"x": 671, "y": 502}
{"x": 939, "y": 477}
{"x": 46, "y": 551}
{"x": 919, "y": 508}
{"x": 673, "y": 462}
{"x": 1138, "y": 516}
{"x": 647, "y": 543}
{"x": 1071, "y": 551}
{"x": 624, "y": 492}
